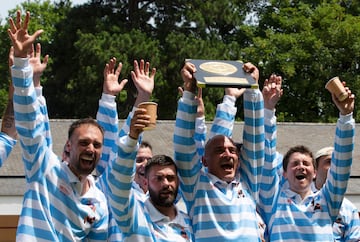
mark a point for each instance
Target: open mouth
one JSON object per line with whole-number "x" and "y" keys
{"x": 86, "y": 159}
{"x": 300, "y": 176}
{"x": 227, "y": 166}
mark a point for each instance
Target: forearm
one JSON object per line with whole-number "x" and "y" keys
{"x": 339, "y": 174}
{"x": 6, "y": 146}
{"x": 29, "y": 124}
{"x": 45, "y": 115}
{"x": 8, "y": 120}
{"x": 107, "y": 117}
{"x": 200, "y": 135}
{"x": 252, "y": 152}
{"x": 184, "y": 143}
{"x": 119, "y": 180}
{"x": 224, "y": 118}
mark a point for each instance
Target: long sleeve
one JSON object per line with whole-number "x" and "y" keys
{"x": 29, "y": 121}
{"x": 200, "y": 135}
{"x": 6, "y": 146}
{"x": 219, "y": 211}
{"x": 107, "y": 117}
{"x": 224, "y": 118}
{"x": 252, "y": 151}
{"x": 270, "y": 179}
{"x": 311, "y": 218}
{"x": 186, "y": 157}
{"x": 119, "y": 180}
{"x": 51, "y": 209}
{"x": 336, "y": 183}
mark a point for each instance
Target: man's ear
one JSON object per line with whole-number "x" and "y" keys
{"x": 285, "y": 174}
{"x": 203, "y": 160}
{"x": 144, "y": 182}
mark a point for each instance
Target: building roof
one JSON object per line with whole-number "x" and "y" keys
{"x": 312, "y": 135}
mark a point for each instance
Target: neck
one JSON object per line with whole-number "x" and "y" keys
{"x": 304, "y": 194}
{"x": 72, "y": 169}
{"x": 167, "y": 211}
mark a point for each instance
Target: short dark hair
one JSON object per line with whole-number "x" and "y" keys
{"x": 300, "y": 149}
{"x": 161, "y": 160}
{"x": 145, "y": 144}
{"x": 78, "y": 123}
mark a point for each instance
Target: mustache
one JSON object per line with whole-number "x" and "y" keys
{"x": 167, "y": 190}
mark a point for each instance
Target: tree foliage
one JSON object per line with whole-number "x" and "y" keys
{"x": 307, "y": 42}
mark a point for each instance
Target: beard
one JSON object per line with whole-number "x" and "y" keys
{"x": 161, "y": 199}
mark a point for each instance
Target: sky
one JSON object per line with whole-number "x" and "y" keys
{"x": 7, "y": 5}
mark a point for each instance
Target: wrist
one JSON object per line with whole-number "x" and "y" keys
{"x": 133, "y": 135}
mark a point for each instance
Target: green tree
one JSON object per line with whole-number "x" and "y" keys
{"x": 44, "y": 15}
{"x": 307, "y": 43}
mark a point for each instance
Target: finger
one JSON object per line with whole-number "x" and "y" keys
{"x": 153, "y": 72}
{"x": 136, "y": 67}
{"x": 112, "y": 62}
{"x": 266, "y": 82}
{"x": 106, "y": 70}
{"x": 33, "y": 37}
{"x": 147, "y": 68}
{"x": 12, "y": 26}
{"x": 26, "y": 21}
{"x": 11, "y": 56}
{"x": 199, "y": 92}
{"x": 142, "y": 64}
{"x": 118, "y": 69}
{"x": 31, "y": 51}
{"x": 123, "y": 83}
{"x": 11, "y": 36}
{"x": 46, "y": 60}
{"x": 38, "y": 51}
{"x": 18, "y": 19}
{"x": 133, "y": 76}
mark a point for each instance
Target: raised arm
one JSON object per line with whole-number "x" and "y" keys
{"x": 39, "y": 67}
{"x": 226, "y": 112}
{"x": 271, "y": 175}
{"x": 107, "y": 115}
{"x": 186, "y": 157}
{"x": 252, "y": 150}
{"x": 200, "y": 125}
{"x": 29, "y": 128}
{"x": 144, "y": 81}
{"x": 121, "y": 174}
{"x": 8, "y": 133}
{"x": 341, "y": 161}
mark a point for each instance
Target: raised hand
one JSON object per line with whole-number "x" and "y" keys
{"x": 139, "y": 121}
{"x": 111, "y": 83}
{"x": 347, "y": 106}
{"x": 272, "y": 91}
{"x": 187, "y": 74}
{"x": 253, "y": 70}
{"x": 36, "y": 64}
{"x": 18, "y": 33}
{"x": 143, "y": 80}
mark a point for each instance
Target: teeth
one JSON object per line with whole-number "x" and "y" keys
{"x": 88, "y": 158}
